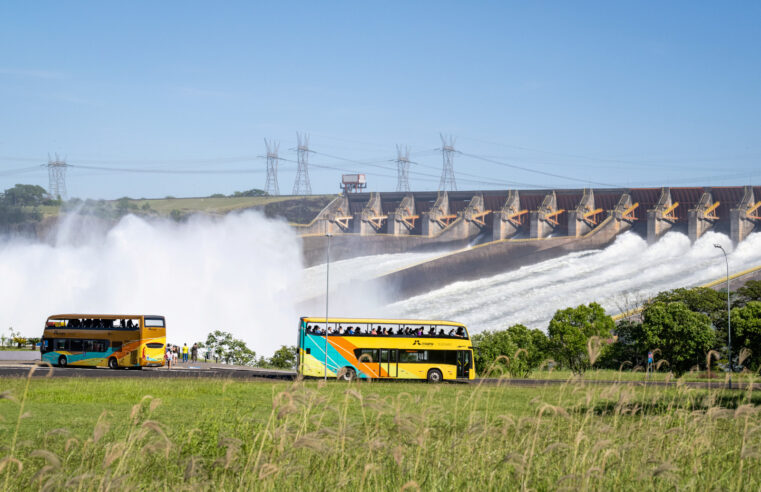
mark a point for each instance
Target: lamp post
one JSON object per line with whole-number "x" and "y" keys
{"x": 729, "y": 317}
{"x": 327, "y": 296}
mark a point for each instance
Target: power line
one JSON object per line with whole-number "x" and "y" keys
{"x": 543, "y": 173}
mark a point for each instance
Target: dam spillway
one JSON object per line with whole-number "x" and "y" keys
{"x": 490, "y": 232}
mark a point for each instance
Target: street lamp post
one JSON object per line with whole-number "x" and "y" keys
{"x": 729, "y": 317}
{"x": 327, "y": 295}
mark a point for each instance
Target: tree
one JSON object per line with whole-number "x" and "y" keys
{"x": 23, "y": 195}
{"x": 221, "y": 344}
{"x": 524, "y": 350}
{"x": 751, "y": 291}
{"x": 710, "y": 302}
{"x": 746, "y": 330}
{"x": 628, "y": 347}
{"x": 683, "y": 336}
{"x": 284, "y": 358}
{"x": 570, "y": 332}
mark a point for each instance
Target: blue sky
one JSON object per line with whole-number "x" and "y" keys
{"x": 620, "y": 93}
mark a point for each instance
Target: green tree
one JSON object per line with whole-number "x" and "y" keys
{"x": 751, "y": 291}
{"x": 683, "y": 336}
{"x": 746, "y": 331}
{"x": 23, "y": 195}
{"x": 628, "y": 347}
{"x": 517, "y": 350}
{"x": 570, "y": 332}
{"x": 283, "y": 358}
{"x": 223, "y": 345}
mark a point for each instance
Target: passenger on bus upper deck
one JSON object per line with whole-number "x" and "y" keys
{"x": 460, "y": 331}
{"x": 350, "y": 330}
{"x": 451, "y": 332}
{"x": 441, "y": 332}
{"x": 358, "y": 331}
{"x": 316, "y": 329}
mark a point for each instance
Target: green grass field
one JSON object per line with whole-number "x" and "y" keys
{"x": 220, "y": 205}
{"x": 150, "y": 434}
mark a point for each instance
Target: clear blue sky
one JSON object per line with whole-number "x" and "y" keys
{"x": 626, "y": 93}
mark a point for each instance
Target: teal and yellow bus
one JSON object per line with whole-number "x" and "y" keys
{"x": 385, "y": 349}
{"x": 112, "y": 340}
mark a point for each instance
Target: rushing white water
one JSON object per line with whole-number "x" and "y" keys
{"x": 313, "y": 279}
{"x": 625, "y": 271}
{"x": 243, "y": 274}
{"x": 235, "y": 274}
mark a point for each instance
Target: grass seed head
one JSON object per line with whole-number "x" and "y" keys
{"x": 51, "y": 459}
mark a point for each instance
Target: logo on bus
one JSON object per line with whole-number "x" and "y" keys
{"x": 416, "y": 342}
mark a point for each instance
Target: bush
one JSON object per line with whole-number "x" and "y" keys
{"x": 576, "y": 336}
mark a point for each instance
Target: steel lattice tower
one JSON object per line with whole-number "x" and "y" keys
{"x": 271, "y": 186}
{"x": 402, "y": 168}
{"x": 447, "y": 173}
{"x": 57, "y": 177}
{"x": 302, "y": 186}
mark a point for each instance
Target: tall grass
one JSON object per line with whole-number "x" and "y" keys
{"x": 306, "y": 435}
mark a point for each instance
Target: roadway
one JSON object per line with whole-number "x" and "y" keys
{"x": 217, "y": 371}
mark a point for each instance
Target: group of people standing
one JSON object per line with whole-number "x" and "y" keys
{"x": 458, "y": 332}
{"x": 175, "y": 353}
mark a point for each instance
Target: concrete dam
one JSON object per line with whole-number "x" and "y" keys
{"x": 489, "y": 232}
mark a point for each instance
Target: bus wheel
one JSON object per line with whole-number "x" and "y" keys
{"x": 434, "y": 376}
{"x": 113, "y": 363}
{"x": 62, "y": 362}
{"x": 346, "y": 374}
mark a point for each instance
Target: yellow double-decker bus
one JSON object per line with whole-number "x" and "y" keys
{"x": 384, "y": 349}
{"x": 113, "y": 340}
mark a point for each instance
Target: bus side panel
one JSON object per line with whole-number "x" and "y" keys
{"x": 418, "y": 370}
{"x": 340, "y": 355}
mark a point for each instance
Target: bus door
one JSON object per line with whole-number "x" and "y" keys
{"x": 464, "y": 364}
{"x": 389, "y": 362}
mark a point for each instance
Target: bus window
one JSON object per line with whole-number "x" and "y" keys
{"x": 154, "y": 322}
{"x": 87, "y": 346}
{"x": 99, "y": 345}
{"x": 117, "y": 346}
{"x": 413, "y": 356}
{"x": 76, "y": 345}
{"x": 45, "y": 345}
{"x": 59, "y": 344}
{"x": 366, "y": 355}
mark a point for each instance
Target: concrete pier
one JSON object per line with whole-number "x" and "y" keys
{"x": 402, "y": 221}
{"x": 661, "y": 218}
{"x": 702, "y": 217}
{"x": 746, "y": 216}
{"x": 545, "y": 220}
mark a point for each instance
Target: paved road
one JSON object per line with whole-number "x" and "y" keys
{"x": 197, "y": 370}
{"x": 212, "y": 370}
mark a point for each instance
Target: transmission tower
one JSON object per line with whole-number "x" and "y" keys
{"x": 302, "y": 186}
{"x": 447, "y": 173}
{"x": 402, "y": 168}
{"x": 57, "y": 177}
{"x": 271, "y": 186}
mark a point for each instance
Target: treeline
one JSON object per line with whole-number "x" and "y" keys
{"x": 680, "y": 327}
{"x": 222, "y": 346}
{"x": 21, "y": 204}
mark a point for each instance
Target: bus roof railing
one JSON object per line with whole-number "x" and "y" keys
{"x": 103, "y": 316}
{"x": 381, "y": 321}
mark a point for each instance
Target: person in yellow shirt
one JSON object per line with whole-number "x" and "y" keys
{"x": 185, "y": 352}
